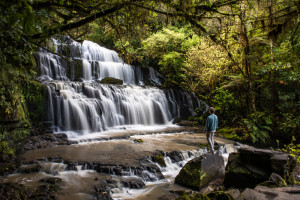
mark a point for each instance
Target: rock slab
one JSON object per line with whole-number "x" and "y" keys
{"x": 251, "y": 166}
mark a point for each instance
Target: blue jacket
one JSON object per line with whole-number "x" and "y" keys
{"x": 211, "y": 123}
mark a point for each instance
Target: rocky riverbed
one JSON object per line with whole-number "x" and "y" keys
{"x": 130, "y": 164}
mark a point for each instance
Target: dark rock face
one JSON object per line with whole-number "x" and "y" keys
{"x": 133, "y": 183}
{"x": 110, "y": 80}
{"x": 46, "y": 141}
{"x": 202, "y": 170}
{"x": 29, "y": 169}
{"x": 13, "y": 191}
{"x": 185, "y": 123}
{"x": 251, "y": 166}
{"x": 175, "y": 156}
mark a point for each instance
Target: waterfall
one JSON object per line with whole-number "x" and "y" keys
{"x": 78, "y": 102}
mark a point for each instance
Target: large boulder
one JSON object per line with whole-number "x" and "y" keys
{"x": 202, "y": 170}
{"x": 251, "y": 166}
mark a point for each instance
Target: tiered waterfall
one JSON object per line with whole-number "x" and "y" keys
{"x": 78, "y": 102}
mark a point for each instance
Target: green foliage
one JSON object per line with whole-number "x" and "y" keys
{"x": 258, "y": 126}
{"x": 169, "y": 47}
{"x": 292, "y": 148}
{"x": 226, "y": 105}
{"x": 236, "y": 134}
{"x": 11, "y": 136}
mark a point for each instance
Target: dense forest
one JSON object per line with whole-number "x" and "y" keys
{"x": 240, "y": 56}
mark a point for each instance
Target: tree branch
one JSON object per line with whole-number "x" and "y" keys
{"x": 55, "y": 30}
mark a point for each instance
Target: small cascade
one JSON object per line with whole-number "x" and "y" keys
{"x": 78, "y": 103}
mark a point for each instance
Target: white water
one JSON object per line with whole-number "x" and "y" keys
{"x": 170, "y": 172}
{"x": 86, "y": 108}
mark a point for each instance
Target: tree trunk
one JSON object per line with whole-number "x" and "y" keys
{"x": 247, "y": 65}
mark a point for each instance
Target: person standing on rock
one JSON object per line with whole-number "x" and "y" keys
{"x": 210, "y": 128}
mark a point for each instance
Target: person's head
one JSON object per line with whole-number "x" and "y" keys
{"x": 211, "y": 110}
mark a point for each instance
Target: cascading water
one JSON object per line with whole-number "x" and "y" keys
{"x": 88, "y": 106}
{"x": 106, "y": 120}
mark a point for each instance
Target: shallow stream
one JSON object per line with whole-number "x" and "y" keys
{"x": 78, "y": 182}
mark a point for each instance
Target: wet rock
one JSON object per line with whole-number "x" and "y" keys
{"x": 133, "y": 183}
{"x": 250, "y": 166}
{"x": 12, "y": 191}
{"x": 149, "y": 171}
{"x": 111, "y": 80}
{"x": 201, "y": 171}
{"x": 51, "y": 180}
{"x": 138, "y": 141}
{"x": 29, "y": 168}
{"x": 71, "y": 166}
{"x": 158, "y": 158}
{"x": 175, "y": 156}
{"x": 265, "y": 193}
{"x": 176, "y": 120}
{"x": 46, "y": 141}
{"x": 102, "y": 192}
{"x": 186, "y": 123}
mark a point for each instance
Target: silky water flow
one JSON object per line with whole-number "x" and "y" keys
{"x": 91, "y": 113}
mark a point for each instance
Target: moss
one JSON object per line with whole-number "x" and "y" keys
{"x": 196, "y": 196}
{"x": 138, "y": 141}
{"x": 190, "y": 175}
{"x": 240, "y": 170}
{"x": 219, "y": 195}
{"x": 269, "y": 184}
{"x": 110, "y": 80}
{"x": 74, "y": 71}
{"x": 231, "y": 133}
{"x": 35, "y": 96}
{"x": 160, "y": 160}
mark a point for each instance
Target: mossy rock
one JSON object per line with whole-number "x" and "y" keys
{"x": 12, "y": 191}
{"x": 138, "y": 141}
{"x": 220, "y": 195}
{"x": 75, "y": 70}
{"x": 110, "y": 80}
{"x": 189, "y": 175}
{"x": 274, "y": 181}
{"x": 7, "y": 168}
{"x": 197, "y": 196}
{"x": 200, "y": 171}
{"x": 160, "y": 160}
